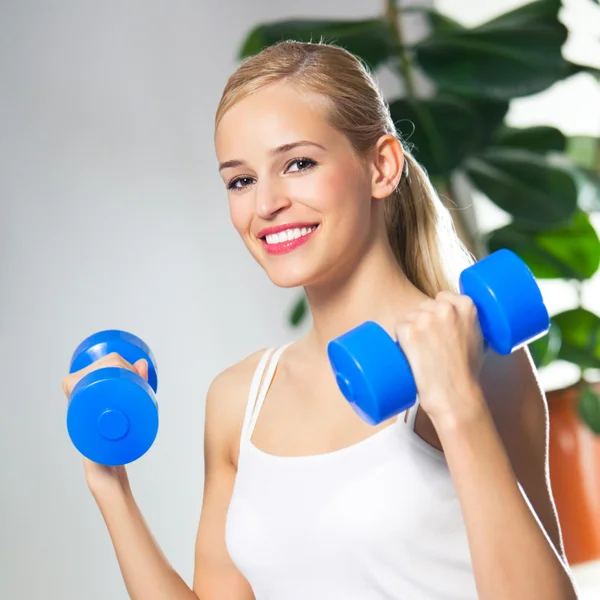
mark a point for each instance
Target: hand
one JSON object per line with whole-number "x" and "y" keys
{"x": 443, "y": 344}
{"x": 100, "y": 477}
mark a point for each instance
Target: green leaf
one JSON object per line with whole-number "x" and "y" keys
{"x": 540, "y": 139}
{"x": 588, "y": 408}
{"x": 298, "y": 312}
{"x": 489, "y": 113}
{"x": 517, "y": 54}
{"x": 371, "y": 40}
{"x": 532, "y": 12}
{"x": 575, "y": 69}
{"x": 524, "y": 184}
{"x": 580, "y": 333}
{"x": 440, "y": 131}
{"x": 545, "y": 349}
{"x": 567, "y": 252}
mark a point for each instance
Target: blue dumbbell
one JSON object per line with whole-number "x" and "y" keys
{"x": 372, "y": 371}
{"x": 112, "y": 415}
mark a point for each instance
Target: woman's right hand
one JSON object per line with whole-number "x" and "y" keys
{"x": 100, "y": 477}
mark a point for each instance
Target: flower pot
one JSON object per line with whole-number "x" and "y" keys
{"x": 574, "y": 456}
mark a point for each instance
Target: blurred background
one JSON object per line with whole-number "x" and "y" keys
{"x": 112, "y": 215}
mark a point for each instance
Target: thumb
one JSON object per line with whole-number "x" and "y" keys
{"x": 141, "y": 367}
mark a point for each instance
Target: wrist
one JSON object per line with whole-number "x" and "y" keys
{"x": 466, "y": 408}
{"x": 104, "y": 490}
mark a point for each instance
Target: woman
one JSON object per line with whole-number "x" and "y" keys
{"x": 450, "y": 499}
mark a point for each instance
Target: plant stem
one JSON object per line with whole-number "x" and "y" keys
{"x": 393, "y": 16}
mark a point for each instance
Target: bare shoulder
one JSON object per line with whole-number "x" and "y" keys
{"x": 226, "y": 402}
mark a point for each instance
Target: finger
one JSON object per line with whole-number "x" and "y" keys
{"x": 443, "y": 307}
{"x": 112, "y": 359}
{"x": 141, "y": 367}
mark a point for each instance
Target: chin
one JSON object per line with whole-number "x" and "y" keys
{"x": 288, "y": 278}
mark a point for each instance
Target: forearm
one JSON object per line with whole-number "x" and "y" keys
{"x": 511, "y": 554}
{"x": 146, "y": 572}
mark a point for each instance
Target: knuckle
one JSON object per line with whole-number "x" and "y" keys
{"x": 424, "y": 320}
{"x": 114, "y": 359}
{"x": 467, "y": 303}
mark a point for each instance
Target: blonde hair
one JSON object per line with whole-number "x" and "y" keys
{"x": 419, "y": 227}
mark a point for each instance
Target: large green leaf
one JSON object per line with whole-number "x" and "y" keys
{"x": 440, "y": 131}
{"x": 541, "y": 138}
{"x": 568, "y": 252}
{"x": 536, "y": 193}
{"x": 372, "y": 40}
{"x": 588, "y": 408}
{"x": 580, "y": 333}
{"x": 490, "y": 114}
{"x": 539, "y": 11}
{"x": 545, "y": 349}
{"x": 515, "y": 55}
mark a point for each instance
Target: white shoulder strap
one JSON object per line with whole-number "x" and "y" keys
{"x": 254, "y": 389}
{"x": 266, "y": 384}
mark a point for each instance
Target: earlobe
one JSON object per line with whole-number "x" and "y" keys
{"x": 388, "y": 166}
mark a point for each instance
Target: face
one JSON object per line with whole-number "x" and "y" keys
{"x": 299, "y": 196}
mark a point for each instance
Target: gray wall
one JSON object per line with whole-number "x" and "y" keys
{"x": 112, "y": 215}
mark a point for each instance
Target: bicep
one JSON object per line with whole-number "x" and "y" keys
{"x": 215, "y": 575}
{"x": 520, "y": 412}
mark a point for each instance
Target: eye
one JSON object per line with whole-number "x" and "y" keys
{"x": 303, "y": 164}
{"x": 233, "y": 184}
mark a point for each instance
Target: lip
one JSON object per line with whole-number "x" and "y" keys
{"x": 278, "y": 228}
{"x": 289, "y": 245}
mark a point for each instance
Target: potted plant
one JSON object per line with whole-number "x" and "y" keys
{"x": 546, "y": 183}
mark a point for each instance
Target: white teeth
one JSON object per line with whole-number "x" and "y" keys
{"x": 289, "y": 234}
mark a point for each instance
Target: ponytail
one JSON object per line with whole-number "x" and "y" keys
{"x": 422, "y": 234}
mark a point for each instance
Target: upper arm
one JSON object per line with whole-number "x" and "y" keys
{"x": 215, "y": 575}
{"x": 518, "y": 405}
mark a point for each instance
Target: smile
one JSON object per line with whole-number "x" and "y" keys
{"x": 288, "y": 239}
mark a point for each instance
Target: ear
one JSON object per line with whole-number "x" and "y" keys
{"x": 386, "y": 166}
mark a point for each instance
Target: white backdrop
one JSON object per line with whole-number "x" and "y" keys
{"x": 112, "y": 215}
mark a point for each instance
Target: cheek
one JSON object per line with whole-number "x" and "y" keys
{"x": 343, "y": 189}
{"x": 240, "y": 214}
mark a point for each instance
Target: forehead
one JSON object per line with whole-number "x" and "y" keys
{"x": 275, "y": 115}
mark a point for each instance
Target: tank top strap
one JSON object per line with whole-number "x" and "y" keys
{"x": 254, "y": 389}
{"x": 410, "y": 416}
{"x": 259, "y": 398}
{"x": 261, "y": 380}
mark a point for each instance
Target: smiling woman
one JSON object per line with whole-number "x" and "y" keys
{"x": 303, "y": 499}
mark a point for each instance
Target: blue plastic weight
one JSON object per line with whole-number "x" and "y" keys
{"x": 112, "y": 415}
{"x": 372, "y": 371}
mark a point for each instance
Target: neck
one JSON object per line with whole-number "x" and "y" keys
{"x": 376, "y": 289}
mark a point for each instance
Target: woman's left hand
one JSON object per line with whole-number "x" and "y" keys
{"x": 443, "y": 344}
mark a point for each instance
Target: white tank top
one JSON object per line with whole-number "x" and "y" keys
{"x": 377, "y": 520}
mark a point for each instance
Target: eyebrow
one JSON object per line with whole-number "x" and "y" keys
{"x": 272, "y": 152}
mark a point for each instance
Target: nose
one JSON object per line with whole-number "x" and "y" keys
{"x": 270, "y": 199}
